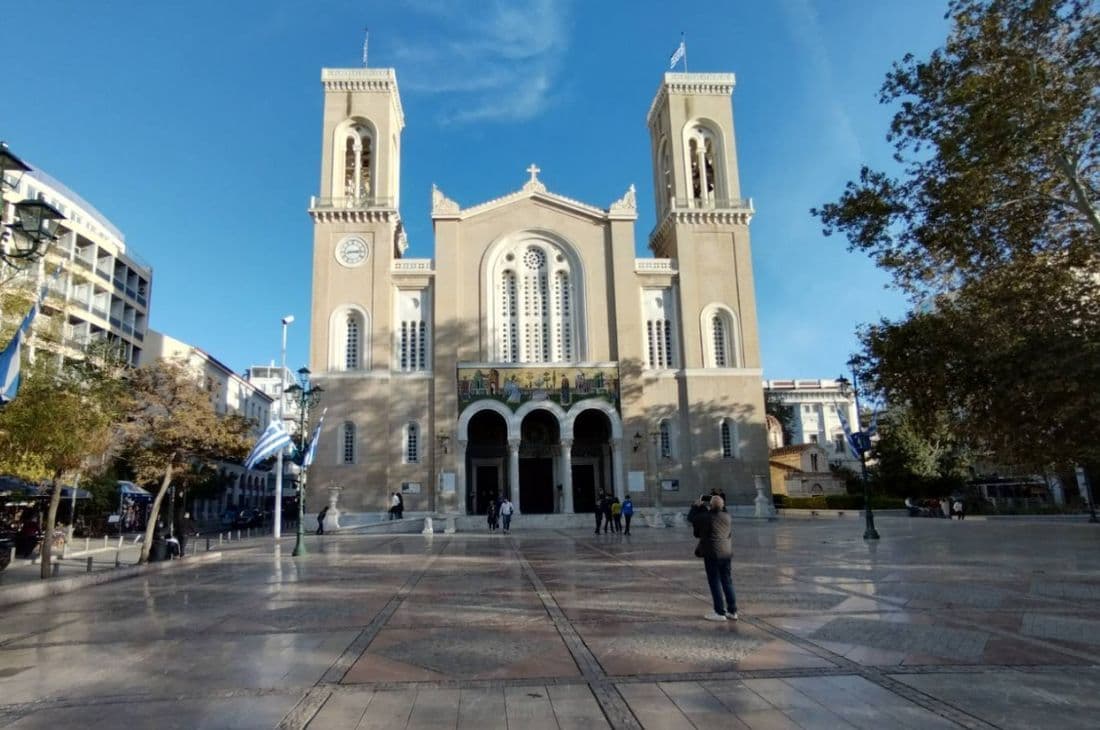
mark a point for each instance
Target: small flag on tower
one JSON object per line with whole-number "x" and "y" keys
{"x": 678, "y": 54}
{"x": 366, "y": 37}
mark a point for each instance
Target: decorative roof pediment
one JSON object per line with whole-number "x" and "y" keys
{"x": 624, "y": 208}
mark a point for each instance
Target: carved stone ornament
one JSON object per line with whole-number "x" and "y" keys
{"x": 626, "y": 204}
{"x": 441, "y": 203}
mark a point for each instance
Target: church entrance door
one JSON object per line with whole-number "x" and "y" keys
{"x": 486, "y": 486}
{"x": 486, "y": 457}
{"x": 540, "y": 436}
{"x": 536, "y": 487}
{"x": 584, "y": 488}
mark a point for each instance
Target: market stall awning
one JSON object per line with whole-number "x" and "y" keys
{"x": 133, "y": 491}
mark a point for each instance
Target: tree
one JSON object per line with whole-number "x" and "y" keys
{"x": 60, "y": 424}
{"x": 909, "y": 463}
{"x": 996, "y": 133}
{"x": 173, "y": 429}
{"x": 992, "y": 227}
{"x": 783, "y": 412}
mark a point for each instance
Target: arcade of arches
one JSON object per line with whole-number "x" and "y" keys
{"x": 544, "y": 459}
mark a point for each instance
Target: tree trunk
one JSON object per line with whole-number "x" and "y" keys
{"x": 51, "y": 521}
{"x": 154, "y": 511}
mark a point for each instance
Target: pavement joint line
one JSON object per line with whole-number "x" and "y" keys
{"x": 359, "y": 644}
{"x": 611, "y": 702}
{"x": 1087, "y": 656}
{"x": 938, "y": 707}
{"x": 305, "y": 710}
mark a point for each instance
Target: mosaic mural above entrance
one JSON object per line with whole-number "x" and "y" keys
{"x": 517, "y": 385}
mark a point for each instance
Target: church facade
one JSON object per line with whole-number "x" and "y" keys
{"x": 535, "y": 355}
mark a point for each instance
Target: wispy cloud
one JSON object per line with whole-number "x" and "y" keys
{"x": 806, "y": 28}
{"x": 486, "y": 61}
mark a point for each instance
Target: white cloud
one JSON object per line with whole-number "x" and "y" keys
{"x": 495, "y": 61}
{"x": 806, "y": 29}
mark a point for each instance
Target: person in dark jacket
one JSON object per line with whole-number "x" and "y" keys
{"x": 713, "y": 527}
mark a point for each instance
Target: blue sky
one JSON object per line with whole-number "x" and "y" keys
{"x": 195, "y": 127}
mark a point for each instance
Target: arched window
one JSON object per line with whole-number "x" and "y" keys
{"x": 705, "y": 165}
{"x": 534, "y": 303}
{"x": 347, "y": 445}
{"x": 412, "y": 443}
{"x": 665, "y": 440}
{"x": 720, "y": 345}
{"x": 352, "y": 342}
{"x": 354, "y": 164}
{"x": 726, "y": 436}
{"x": 658, "y": 312}
{"x": 349, "y": 339}
{"x": 411, "y": 330}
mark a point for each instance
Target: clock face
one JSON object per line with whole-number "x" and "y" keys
{"x": 351, "y": 251}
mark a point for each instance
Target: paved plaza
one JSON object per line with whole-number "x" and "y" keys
{"x": 938, "y": 625}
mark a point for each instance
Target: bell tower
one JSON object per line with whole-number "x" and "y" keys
{"x": 703, "y": 229}
{"x": 357, "y": 229}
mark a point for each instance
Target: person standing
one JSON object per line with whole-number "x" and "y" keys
{"x": 599, "y": 512}
{"x": 628, "y": 512}
{"x": 491, "y": 516}
{"x": 321, "y": 520}
{"x": 606, "y": 507}
{"x": 616, "y": 514}
{"x": 714, "y": 527}
{"x": 959, "y": 509}
{"x": 506, "y": 510}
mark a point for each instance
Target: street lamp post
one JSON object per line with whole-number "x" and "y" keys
{"x": 277, "y": 528}
{"x": 34, "y": 224}
{"x": 863, "y": 445}
{"x": 307, "y": 396}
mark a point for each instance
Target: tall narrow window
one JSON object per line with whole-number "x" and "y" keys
{"x": 719, "y": 330}
{"x": 352, "y": 343}
{"x": 403, "y": 346}
{"x": 534, "y": 303}
{"x": 412, "y": 444}
{"x": 704, "y": 156}
{"x": 347, "y": 455}
{"x": 726, "y": 437}
{"x": 666, "y": 440}
{"x": 410, "y": 339}
{"x": 422, "y": 346}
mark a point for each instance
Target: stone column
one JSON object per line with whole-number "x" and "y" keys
{"x": 567, "y": 474}
{"x": 513, "y": 471}
{"x": 617, "y": 477}
{"x": 460, "y": 476}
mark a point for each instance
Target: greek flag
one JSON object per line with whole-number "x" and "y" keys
{"x": 677, "y": 55}
{"x": 312, "y": 450}
{"x": 10, "y": 357}
{"x": 273, "y": 439}
{"x": 849, "y": 437}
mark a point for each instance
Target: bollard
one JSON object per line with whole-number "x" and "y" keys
{"x": 87, "y": 544}
{"x": 56, "y": 569}
{"x": 238, "y": 535}
{"x": 120, "y": 542}
{"x": 208, "y": 544}
{"x": 219, "y": 539}
{"x": 11, "y": 557}
{"x": 104, "y": 542}
{"x": 118, "y": 558}
{"x": 89, "y": 570}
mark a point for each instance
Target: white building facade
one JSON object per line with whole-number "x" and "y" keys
{"x": 814, "y": 404}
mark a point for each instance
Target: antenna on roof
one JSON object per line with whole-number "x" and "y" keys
{"x": 366, "y": 37}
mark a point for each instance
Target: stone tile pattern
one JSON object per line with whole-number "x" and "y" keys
{"x": 930, "y": 627}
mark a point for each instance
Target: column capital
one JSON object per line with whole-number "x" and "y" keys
{"x": 567, "y": 443}
{"x": 513, "y": 444}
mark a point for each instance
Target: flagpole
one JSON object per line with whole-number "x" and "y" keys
{"x": 277, "y": 528}
{"x": 683, "y": 43}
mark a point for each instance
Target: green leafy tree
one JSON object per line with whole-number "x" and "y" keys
{"x": 60, "y": 425}
{"x": 173, "y": 430}
{"x": 992, "y": 227}
{"x": 996, "y": 135}
{"x": 783, "y": 412}
{"x": 913, "y": 461}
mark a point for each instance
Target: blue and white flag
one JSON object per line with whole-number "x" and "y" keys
{"x": 849, "y": 437}
{"x": 311, "y": 451}
{"x": 273, "y": 439}
{"x": 11, "y": 355}
{"x": 677, "y": 55}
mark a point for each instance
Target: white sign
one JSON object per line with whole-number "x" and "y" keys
{"x": 410, "y": 487}
{"x": 670, "y": 485}
{"x": 635, "y": 481}
{"x": 447, "y": 482}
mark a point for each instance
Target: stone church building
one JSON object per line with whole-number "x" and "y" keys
{"x": 535, "y": 355}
